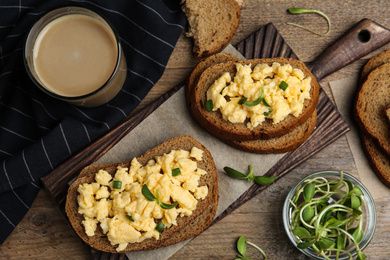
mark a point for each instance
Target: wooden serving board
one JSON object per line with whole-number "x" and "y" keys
{"x": 265, "y": 43}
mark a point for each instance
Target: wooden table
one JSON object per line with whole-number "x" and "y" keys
{"x": 44, "y": 232}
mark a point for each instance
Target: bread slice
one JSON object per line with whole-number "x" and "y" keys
{"x": 211, "y": 24}
{"x": 187, "y": 226}
{"x": 374, "y": 63}
{"x": 372, "y": 98}
{"x": 202, "y": 66}
{"x": 387, "y": 112}
{"x": 281, "y": 144}
{"x": 379, "y": 162}
{"x": 213, "y": 121}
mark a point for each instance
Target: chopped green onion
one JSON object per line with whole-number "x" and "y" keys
{"x": 242, "y": 100}
{"x": 267, "y": 113}
{"x": 209, "y": 105}
{"x": 160, "y": 226}
{"x": 283, "y": 85}
{"x": 176, "y": 172}
{"x": 117, "y": 184}
{"x": 147, "y": 193}
{"x": 130, "y": 218}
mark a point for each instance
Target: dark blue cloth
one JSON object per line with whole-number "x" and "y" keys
{"x": 37, "y": 132}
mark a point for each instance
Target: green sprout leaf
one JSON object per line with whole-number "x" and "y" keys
{"x": 308, "y": 191}
{"x": 264, "y": 180}
{"x": 241, "y": 245}
{"x": 147, "y": 193}
{"x": 302, "y": 11}
{"x": 234, "y": 173}
{"x": 242, "y": 100}
{"x": 160, "y": 226}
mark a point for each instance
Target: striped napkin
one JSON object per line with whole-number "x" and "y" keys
{"x": 37, "y": 132}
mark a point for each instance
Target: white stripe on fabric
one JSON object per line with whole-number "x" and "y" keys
{"x": 12, "y": 132}
{"x": 44, "y": 109}
{"x": 139, "y": 75}
{"x": 36, "y": 186}
{"x": 127, "y": 18}
{"x": 17, "y": 196}
{"x": 159, "y": 15}
{"x": 24, "y": 114}
{"x": 28, "y": 168}
{"x": 6, "y": 26}
{"x": 131, "y": 94}
{"x": 6, "y": 175}
{"x": 86, "y": 131}
{"x": 7, "y": 72}
{"x": 6, "y": 153}
{"x": 47, "y": 156}
{"x": 87, "y": 116}
{"x": 143, "y": 54}
{"x": 16, "y": 6}
{"x": 123, "y": 112}
{"x": 36, "y": 13}
{"x": 7, "y": 218}
{"x": 66, "y": 141}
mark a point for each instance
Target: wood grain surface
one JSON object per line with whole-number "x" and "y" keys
{"x": 45, "y": 234}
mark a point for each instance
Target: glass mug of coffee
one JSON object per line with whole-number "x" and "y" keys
{"x": 73, "y": 54}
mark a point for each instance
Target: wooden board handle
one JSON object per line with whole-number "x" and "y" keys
{"x": 363, "y": 38}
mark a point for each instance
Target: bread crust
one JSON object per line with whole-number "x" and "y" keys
{"x": 202, "y": 66}
{"x": 187, "y": 226}
{"x": 372, "y": 98}
{"x": 212, "y": 24}
{"x": 281, "y": 144}
{"x": 217, "y": 126}
{"x": 379, "y": 162}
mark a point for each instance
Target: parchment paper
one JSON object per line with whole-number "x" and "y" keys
{"x": 172, "y": 119}
{"x": 344, "y": 92}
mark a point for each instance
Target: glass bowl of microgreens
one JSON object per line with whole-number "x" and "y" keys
{"x": 330, "y": 215}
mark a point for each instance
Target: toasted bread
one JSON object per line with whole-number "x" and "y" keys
{"x": 280, "y": 144}
{"x": 379, "y": 162}
{"x": 202, "y": 66}
{"x": 212, "y": 24}
{"x": 213, "y": 121}
{"x": 372, "y": 98}
{"x": 387, "y": 112}
{"x": 374, "y": 63}
{"x": 187, "y": 226}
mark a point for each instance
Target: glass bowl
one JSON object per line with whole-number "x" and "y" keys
{"x": 367, "y": 208}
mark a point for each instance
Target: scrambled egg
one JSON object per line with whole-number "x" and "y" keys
{"x": 226, "y": 93}
{"x": 124, "y": 214}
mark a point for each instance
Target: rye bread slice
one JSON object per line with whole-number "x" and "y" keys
{"x": 187, "y": 226}
{"x": 200, "y": 67}
{"x": 379, "y": 162}
{"x": 374, "y": 63}
{"x": 217, "y": 126}
{"x": 211, "y": 24}
{"x": 387, "y": 112}
{"x": 281, "y": 144}
{"x": 372, "y": 99}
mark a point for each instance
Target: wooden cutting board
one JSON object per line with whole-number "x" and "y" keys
{"x": 264, "y": 43}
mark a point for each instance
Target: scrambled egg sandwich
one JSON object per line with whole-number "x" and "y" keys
{"x": 147, "y": 202}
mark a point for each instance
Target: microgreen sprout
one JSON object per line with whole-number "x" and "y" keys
{"x": 302, "y": 11}
{"x": 260, "y": 180}
{"x": 241, "y": 247}
{"x": 150, "y": 197}
{"x": 326, "y": 215}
